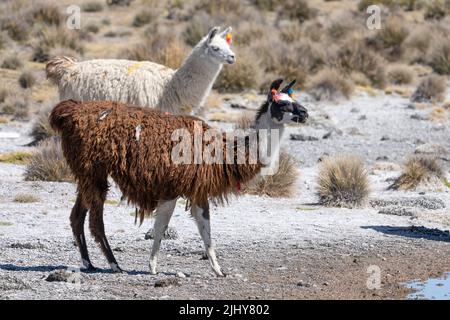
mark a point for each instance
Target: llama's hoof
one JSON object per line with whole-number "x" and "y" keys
{"x": 90, "y": 268}
{"x": 115, "y": 268}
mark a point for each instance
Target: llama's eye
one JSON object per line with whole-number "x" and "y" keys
{"x": 215, "y": 48}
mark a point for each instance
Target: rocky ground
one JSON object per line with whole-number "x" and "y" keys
{"x": 270, "y": 248}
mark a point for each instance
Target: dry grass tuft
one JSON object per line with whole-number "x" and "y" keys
{"x": 330, "y": 84}
{"x": 439, "y": 56}
{"x": 47, "y": 13}
{"x": 296, "y": 10}
{"x": 244, "y": 74}
{"x": 343, "y": 181}
{"x": 92, "y": 6}
{"x": 437, "y": 9}
{"x": 432, "y": 88}
{"x": 391, "y": 37}
{"x": 419, "y": 170}
{"x": 354, "y": 56}
{"x": 144, "y": 17}
{"x": 27, "y": 79}
{"x": 17, "y": 106}
{"x": 41, "y": 129}
{"x": 53, "y": 37}
{"x": 167, "y": 50}
{"x": 12, "y": 63}
{"x": 400, "y": 74}
{"x": 279, "y": 185}
{"x": 26, "y": 198}
{"x": 48, "y": 163}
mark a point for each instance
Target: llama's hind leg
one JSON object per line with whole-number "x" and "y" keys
{"x": 164, "y": 212}
{"x": 96, "y": 200}
{"x": 201, "y": 216}
{"x": 77, "y": 218}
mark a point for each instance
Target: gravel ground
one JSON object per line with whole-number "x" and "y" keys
{"x": 269, "y": 248}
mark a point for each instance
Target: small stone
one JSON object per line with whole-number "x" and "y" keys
{"x": 325, "y": 283}
{"x": 431, "y": 149}
{"x": 169, "y": 234}
{"x": 327, "y": 135}
{"x": 354, "y": 131}
{"x": 385, "y": 138}
{"x": 382, "y": 158}
{"x": 181, "y": 275}
{"x": 363, "y": 117}
{"x": 354, "y": 110}
{"x": 301, "y": 137}
{"x": 167, "y": 283}
{"x": 418, "y": 116}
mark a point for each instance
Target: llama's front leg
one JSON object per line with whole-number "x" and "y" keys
{"x": 201, "y": 215}
{"x": 77, "y": 218}
{"x": 164, "y": 212}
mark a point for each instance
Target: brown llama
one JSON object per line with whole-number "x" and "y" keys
{"x": 135, "y": 147}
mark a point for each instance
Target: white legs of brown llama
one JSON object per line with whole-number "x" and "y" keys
{"x": 164, "y": 212}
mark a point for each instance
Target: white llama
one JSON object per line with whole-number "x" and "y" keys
{"x": 144, "y": 83}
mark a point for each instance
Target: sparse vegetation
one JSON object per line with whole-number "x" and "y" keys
{"x": 432, "y": 88}
{"x": 279, "y": 185}
{"x": 244, "y": 74}
{"x": 48, "y": 163}
{"x": 12, "y": 62}
{"x": 92, "y": 6}
{"x": 41, "y": 129}
{"x": 27, "y": 79}
{"x": 437, "y": 9}
{"x": 17, "y": 106}
{"x": 329, "y": 84}
{"x": 16, "y": 157}
{"x": 145, "y": 17}
{"x": 400, "y": 74}
{"x": 439, "y": 57}
{"x": 26, "y": 198}
{"x": 167, "y": 50}
{"x": 342, "y": 181}
{"x": 419, "y": 170}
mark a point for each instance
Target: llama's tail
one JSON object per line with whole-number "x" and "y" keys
{"x": 61, "y": 115}
{"x": 57, "y": 66}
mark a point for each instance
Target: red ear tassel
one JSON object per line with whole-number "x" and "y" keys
{"x": 229, "y": 38}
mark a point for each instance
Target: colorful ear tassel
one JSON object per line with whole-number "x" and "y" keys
{"x": 229, "y": 38}
{"x": 291, "y": 92}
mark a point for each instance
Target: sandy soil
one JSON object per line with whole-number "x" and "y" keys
{"x": 270, "y": 248}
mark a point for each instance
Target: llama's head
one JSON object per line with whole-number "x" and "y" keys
{"x": 217, "y": 46}
{"x": 282, "y": 107}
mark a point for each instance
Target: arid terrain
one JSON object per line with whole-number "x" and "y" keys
{"x": 382, "y": 95}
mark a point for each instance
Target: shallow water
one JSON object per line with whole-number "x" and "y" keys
{"x": 431, "y": 289}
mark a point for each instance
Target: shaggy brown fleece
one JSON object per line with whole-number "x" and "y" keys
{"x": 99, "y": 139}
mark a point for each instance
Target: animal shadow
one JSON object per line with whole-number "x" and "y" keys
{"x": 415, "y": 232}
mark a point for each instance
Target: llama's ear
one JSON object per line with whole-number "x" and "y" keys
{"x": 223, "y": 34}
{"x": 276, "y": 84}
{"x": 212, "y": 33}
{"x": 288, "y": 88}
{"x": 274, "y": 89}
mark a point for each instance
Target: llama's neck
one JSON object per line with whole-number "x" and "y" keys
{"x": 191, "y": 83}
{"x": 268, "y": 150}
